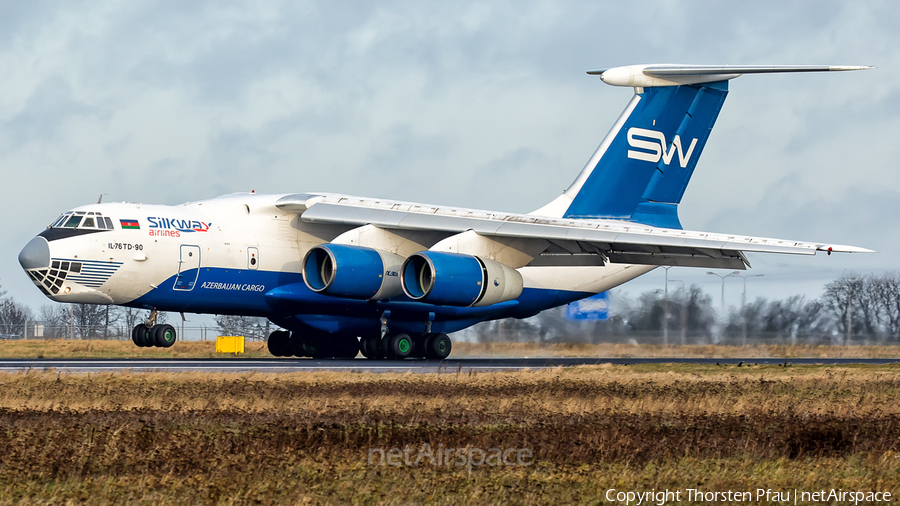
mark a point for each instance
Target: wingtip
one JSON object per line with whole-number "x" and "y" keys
{"x": 841, "y": 68}
{"x": 840, "y": 248}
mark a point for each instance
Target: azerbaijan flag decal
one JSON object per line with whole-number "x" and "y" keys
{"x": 126, "y": 224}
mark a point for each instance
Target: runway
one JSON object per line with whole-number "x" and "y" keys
{"x": 463, "y": 365}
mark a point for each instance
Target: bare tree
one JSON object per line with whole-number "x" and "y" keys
{"x": 853, "y": 302}
{"x": 129, "y": 318}
{"x": 886, "y": 292}
{"x": 91, "y": 319}
{"x": 251, "y": 328}
{"x": 13, "y": 316}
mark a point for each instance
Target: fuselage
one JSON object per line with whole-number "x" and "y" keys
{"x": 240, "y": 254}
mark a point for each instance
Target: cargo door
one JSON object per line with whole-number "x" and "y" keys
{"x": 188, "y": 268}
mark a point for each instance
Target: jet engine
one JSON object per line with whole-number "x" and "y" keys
{"x": 454, "y": 279}
{"x": 353, "y": 272}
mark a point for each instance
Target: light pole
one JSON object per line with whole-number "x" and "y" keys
{"x": 666, "y": 308}
{"x": 723, "y": 276}
{"x": 683, "y": 315}
{"x": 744, "y": 306}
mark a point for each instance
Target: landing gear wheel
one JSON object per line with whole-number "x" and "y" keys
{"x": 295, "y": 346}
{"x": 134, "y": 335}
{"x": 347, "y": 346}
{"x": 438, "y": 346}
{"x": 139, "y": 335}
{"x": 314, "y": 347}
{"x": 398, "y": 346}
{"x": 364, "y": 346}
{"x": 370, "y": 346}
{"x": 279, "y": 343}
{"x": 164, "y": 335}
{"x": 418, "y": 348}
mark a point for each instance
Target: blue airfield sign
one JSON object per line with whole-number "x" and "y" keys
{"x": 592, "y": 308}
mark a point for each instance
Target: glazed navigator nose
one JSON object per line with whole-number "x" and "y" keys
{"x": 35, "y": 254}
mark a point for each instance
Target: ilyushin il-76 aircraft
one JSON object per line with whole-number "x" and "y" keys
{"x": 344, "y": 275}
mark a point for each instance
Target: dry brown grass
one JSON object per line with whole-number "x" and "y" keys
{"x": 97, "y": 348}
{"x": 61, "y": 348}
{"x": 585, "y": 390}
{"x": 623, "y": 350}
{"x": 304, "y": 437}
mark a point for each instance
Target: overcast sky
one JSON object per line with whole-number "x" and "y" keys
{"x": 474, "y": 104}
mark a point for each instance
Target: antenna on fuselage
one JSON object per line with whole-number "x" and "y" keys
{"x": 101, "y": 197}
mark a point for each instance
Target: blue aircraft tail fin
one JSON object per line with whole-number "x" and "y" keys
{"x": 642, "y": 168}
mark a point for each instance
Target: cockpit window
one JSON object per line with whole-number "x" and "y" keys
{"x": 80, "y": 219}
{"x": 72, "y": 222}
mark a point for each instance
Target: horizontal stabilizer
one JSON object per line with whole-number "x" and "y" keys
{"x": 677, "y": 74}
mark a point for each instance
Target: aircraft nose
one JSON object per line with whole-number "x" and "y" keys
{"x": 35, "y": 254}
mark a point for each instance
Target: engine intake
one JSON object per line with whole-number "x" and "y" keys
{"x": 453, "y": 279}
{"x": 353, "y": 272}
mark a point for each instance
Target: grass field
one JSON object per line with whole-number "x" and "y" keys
{"x": 306, "y": 437}
{"x": 60, "y": 348}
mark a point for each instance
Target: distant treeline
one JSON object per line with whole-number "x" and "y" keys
{"x": 867, "y": 305}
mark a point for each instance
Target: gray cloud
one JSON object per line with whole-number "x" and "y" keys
{"x": 472, "y": 104}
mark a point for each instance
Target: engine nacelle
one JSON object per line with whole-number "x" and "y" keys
{"x": 453, "y": 279}
{"x": 353, "y": 272}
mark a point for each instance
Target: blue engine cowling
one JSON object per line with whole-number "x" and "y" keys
{"x": 353, "y": 272}
{"x": 454, "y": 279}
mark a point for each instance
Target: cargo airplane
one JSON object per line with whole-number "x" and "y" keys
{"x": 344, "y": 275}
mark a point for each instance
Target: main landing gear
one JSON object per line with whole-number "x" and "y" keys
{"x": 398, "y": 346}
{"x": 150, "y": 333}
{"x": 282, "y": 343}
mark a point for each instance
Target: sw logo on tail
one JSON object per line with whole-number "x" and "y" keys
{"x": 658, "y": 148}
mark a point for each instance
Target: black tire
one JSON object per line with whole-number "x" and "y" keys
{"x": 419, "y": 341}
{"x": 314, "y": 347}
{"x": 141, "y": 336}
{"x": 364, "y": 346}
{"x": 295, "y": 346}
{"x": 278, "y": 343}
{"x": 164, "y": 335}
{"x": 438, "y": 346}
{"x": 370, "y": 346}
{"x": 134, "y": 335}
{"x": 399, "y": 346}
{"x": 348, "y": 346}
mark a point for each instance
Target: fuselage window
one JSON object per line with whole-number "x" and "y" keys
{"x": 88, "y": 223}
{"x": 72, "y": 222}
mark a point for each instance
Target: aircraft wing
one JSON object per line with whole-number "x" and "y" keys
{"x": 570, "y": 241}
